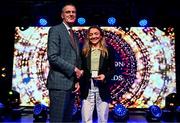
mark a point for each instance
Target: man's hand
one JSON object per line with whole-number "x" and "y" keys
{"x": 77, "y": 87}
{"x": 78, "y": 72}
{"x": 100, "y": 77}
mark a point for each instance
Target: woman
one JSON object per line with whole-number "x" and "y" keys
{"x": 98, "y": 66}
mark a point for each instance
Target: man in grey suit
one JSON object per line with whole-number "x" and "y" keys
{"x": 64, "y": 60}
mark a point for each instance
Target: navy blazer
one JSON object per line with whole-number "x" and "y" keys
{"x": 63, "y": 58}
{"x": 106, "y": 67}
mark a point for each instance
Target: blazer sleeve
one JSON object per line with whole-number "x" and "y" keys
{"x": 54, "y": 58}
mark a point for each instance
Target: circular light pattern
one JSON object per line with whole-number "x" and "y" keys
{"x": 81, "y": 21}
{"x": 145, "y": 71}
{"x": 155, "y": 111}
{"x": 42, "y": 22}
{"x": 111, "y": 20}
{"x": 38, "y": 109}
{"x": 126, "y": 71}
{"x": 143, "y": 22}
{"x": 139, "y": 82}
{"x": 31, "y": 66}
{"x": 120, "y": 110}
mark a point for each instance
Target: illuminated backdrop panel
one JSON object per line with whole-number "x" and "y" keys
{"x": 144, "y": 60}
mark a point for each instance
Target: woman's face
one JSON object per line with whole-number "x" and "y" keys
{"x": 94, "y": 36}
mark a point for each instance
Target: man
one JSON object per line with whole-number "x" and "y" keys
{"x": 64, "y": 60}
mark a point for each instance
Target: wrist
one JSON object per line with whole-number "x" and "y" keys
{"x": 75, "y": 69}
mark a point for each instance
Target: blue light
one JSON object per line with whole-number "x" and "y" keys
{"x": 42, "y": 22}
{"x": 39, "y": 108}
{"x": 178, "y": 108}
{"x": 26, "y": 80}
{"x": 1, "y": 106}
{"x": 111, "y": 20}
{"x": 143, "y": 22}
{"x": 40, "y": 112}
{"x": 120, "y": 110}
{"x": 156, "y": 111}
{"x": 81, "y": 20}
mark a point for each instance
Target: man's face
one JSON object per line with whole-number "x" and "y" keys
{"x": 69, "y": 14}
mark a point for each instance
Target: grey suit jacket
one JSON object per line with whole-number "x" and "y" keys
{"x": 63, "y": 58}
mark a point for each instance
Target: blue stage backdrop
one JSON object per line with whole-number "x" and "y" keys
{"x": 144, "y": 60}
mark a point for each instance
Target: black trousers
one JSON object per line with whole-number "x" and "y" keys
{"x": 61, "y": 105}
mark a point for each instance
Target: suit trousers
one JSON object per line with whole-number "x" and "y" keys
{"x": 89, "y": 104}
{"x": 61, "y": 105}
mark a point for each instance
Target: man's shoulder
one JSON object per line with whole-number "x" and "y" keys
{"x": 58, "y": 26}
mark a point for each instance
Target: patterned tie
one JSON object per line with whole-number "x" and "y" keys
{"x": 72, "y": 38}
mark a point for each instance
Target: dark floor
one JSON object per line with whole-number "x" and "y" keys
{"x": 25, "y": 115}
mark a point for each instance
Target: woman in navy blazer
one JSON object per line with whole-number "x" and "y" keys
{"x": 98, "y": 66}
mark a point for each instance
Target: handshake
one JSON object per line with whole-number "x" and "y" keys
{"x": 78, "y": 72}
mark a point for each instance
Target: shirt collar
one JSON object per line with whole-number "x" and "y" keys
{"x": 95, "y": 49}
{"x": 67, "y": 27}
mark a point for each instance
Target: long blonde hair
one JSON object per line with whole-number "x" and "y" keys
{"x": 102, "y": 44}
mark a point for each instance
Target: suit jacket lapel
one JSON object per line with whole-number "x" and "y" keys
{"x": 66, "y": 33}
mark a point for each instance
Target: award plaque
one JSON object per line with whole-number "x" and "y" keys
{"x": 94, "y": 73}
